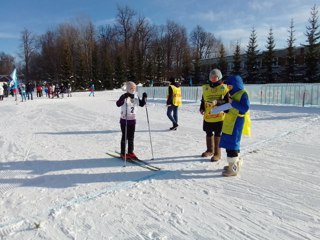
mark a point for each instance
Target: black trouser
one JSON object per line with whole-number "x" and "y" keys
{"x": 232, "y": 153}
{"x": 29, "y": 95}
{"x": 214, "y": 127}
{"x": 130, "y": 136}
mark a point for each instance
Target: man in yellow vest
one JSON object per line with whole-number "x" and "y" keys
{"x": 236, "y": 122}
{"x": 174, "y": 100}
{"x": 214, "y": 94}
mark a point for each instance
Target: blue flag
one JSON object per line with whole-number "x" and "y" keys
{"x": 14, "y": 82}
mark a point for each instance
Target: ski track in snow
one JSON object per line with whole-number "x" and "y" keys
{"x": 182, "y": 202}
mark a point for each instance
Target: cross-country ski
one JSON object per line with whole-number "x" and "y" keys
{"x": 135, "y": 161}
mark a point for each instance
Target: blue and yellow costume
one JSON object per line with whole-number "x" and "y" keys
{"x": 236, "y": 123}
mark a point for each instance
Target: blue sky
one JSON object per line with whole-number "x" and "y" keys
{"x": 228, "y": 20}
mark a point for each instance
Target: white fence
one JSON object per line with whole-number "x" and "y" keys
{"x": 281, "y": 94}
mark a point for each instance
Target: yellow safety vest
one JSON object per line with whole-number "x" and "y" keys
{"x": 176, "y": 96}
{"x": 210, "y": 94}
{"x": 231, "y": 117}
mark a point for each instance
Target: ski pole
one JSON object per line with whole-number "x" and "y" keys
{"x": 149, "y": 131}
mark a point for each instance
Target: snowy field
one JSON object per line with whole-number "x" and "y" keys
{"x": 56, "y": 182}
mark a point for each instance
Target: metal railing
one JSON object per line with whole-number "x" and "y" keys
{"x": 270, "y": 94}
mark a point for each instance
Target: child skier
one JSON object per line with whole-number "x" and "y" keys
{"x": 128, "y": 103}
{"x": 236, "y": 123}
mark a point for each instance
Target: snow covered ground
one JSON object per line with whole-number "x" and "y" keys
{"x": 56, "y": 182}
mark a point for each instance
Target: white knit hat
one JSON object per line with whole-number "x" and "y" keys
{"x": 215, "y": 72}
{"x": 131, "y": 87}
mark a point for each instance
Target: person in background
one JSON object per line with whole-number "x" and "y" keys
{"x": 214, "y": 93}
{"x": 56, "y": 90}
{"x": 46, "y": 90}
{"x": 69, "y": 90}
{"x": 29, "y": 90}
{"x": 237, "y": 122}
{"x": 5, "y": 90}
{"x": 62, "y": 89}
{"x": 39, "y": 90}
{"x": 128, "y": 103}
{"x": 91, "y": 90}
{"x": 15, "y": 91}
{"x": 23, "y": 92}
{"x": 174, "y": 101}
{"x": 1, "y": 92}
{"x": 51, "y": 90}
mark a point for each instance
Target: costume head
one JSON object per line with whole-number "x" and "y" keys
{"x": 236, "y": 82}
{"x": 131, "y": 87}
{"x": 215, "y": 77}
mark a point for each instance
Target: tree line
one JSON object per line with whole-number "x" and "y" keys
{"x": 133, "y": 49}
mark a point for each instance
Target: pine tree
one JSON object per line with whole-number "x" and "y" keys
{"x": 65, "y": 68}
{"x": 149, "y": 70}
{"x": 252, "y": 53}
{"x": 290, "y": 70}
{"x": 313, "y": 36}
{"x": 119, "y": 73}
{"x": 237, "y": 60}
{"x": 159, "y": 63}
{"x": 139, "y": 67}
{"x": 196, "y": 72}
{"x": 106, "y": 75}
{"x": 131, "y": 67}
{"x": 222, "y": 62}
{"x": 81, "y": 81}
{"x": 269, "y": 57}
{"x": 94, "y": 68}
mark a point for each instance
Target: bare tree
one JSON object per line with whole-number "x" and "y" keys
{"x": 204, "y": 43}
{"x": 6, "y": 63}
{"x": 27, "y": 49}
{"x": 125, "y": 25}
{"x": 49, "y": 56}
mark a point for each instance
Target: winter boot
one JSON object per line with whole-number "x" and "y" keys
{"x": 209, "y": 151}
{"x": 225, "y": 168}
{"x": 217, "y": 150}
{"x": 132, "y": 155}
{"x": 126, "y": 156}
{"x": 233, "y": 168}
{"x": 174, "y": 127}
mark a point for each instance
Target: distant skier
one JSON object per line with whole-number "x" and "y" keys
{"x": 236, "y": 122}
{"x": 91, "y": 90}
{"x": 128, "y": 103}
{"x": 214, "y": 94}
